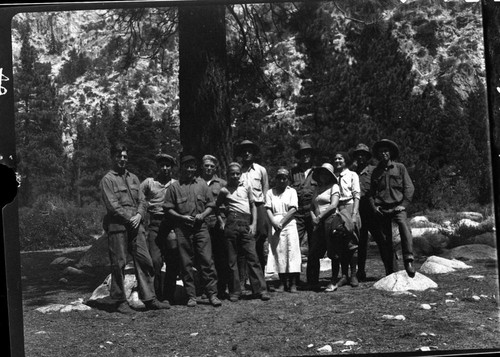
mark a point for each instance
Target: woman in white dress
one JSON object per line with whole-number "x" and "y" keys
{"x": 284, "y": 255}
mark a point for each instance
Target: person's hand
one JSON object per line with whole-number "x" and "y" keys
{"x": 399, "y": 208}
{"x": 135, "y": 220}
{"x": 188, "y": 220}
{"x": 355, "y": 218}
{"x": 252, "y": 229}
{"x": 199, "y": 217}
{"x": 316, "y": 220}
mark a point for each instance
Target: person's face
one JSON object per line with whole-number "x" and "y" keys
{"x": 361, "y": 158}
{"x": 234, "y": 174}
{"x": 164, "y": 168}
{"x": 189, "y": 169}
{"x": 281, "y": 181}
{"x": 247, "y": 154}
{"x": 208, "y": 168}
{"x": 305, "y": 158}
{"x": 384, "y": 153}
{"x": 338, "y": 161}
{"x": 121, "y": 160}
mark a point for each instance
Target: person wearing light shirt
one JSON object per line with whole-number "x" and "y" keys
{"x": 349, "y": 209}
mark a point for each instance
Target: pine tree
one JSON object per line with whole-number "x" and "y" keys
{"x": 141, "y": 142}
{"x": 115, "y": 128}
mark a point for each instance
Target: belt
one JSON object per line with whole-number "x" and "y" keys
{"x": 239, "y": 215}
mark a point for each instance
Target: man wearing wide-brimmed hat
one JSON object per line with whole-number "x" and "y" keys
{"x": 154, "y": 189}
{"x": 364, "y": 169}
{"x": 391, "y": 192}
{"x": 188, "y": 202}
{"x": 303, "y": 183}
{"x": 256, "y": 177}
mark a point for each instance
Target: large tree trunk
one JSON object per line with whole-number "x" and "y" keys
{"x": 204, "y": 108}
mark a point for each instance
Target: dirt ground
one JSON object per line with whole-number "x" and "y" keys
{"x": 287, "y": 325}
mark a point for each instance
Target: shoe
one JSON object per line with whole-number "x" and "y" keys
{"x": 342, "y": 281}
{"x": 280, "y": 288}
{"x": 155, "y": 304}
{"x": 264, "y": 296}
{"x": 124, "y": 308}
{"x": 191, "y": 302}
{"x": 214, "y": 300}
{"x": 330, "y": 288}
{"x": 354, "y": 281}
{"x": 293, "y": 289}
{"x": 234, "y": 298}
{"x": 410, "y": 270}
{"x": 361, "y": 275}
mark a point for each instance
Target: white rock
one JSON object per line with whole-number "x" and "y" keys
{"x": 340, "y": 342}
{"x": 325, "y": 264}
{"x": 399, "y": 317}
{"x": 350, "y": 343}
{"x": 426, "y": 306}
{"x": 325, "y": 348}
{"x": 400, "y": 281}
{"x": 419, "y": 219}
{"x": 40, "y": 333}
{"x": 63, "y": 281}
{"x": 423, "y": 334}
{"x": 310, "y": 346}
{"x": 435, "y": 268}
{"x": 449, "y": 301}
{"x": 476, "y": 276}
{"x": 194, "y": 334}
{"x": 417, "y": 232}
{"x": 452, "y": 263}
{"x": 449, "y": 294}
{"x": 471, "y": 215}
{"x": 388, "y": 317}
{"x": 468, "y": 222}
{"x": 396, "y": 293}
{"x": 483, "y": 296}
{"x": 50, "y": 308}
{"x": 476, "y": 298}
{"x": 74, "y": 271}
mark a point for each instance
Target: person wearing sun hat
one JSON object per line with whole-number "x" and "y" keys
{"x": 302, "y": 182}
{"x": 284, "y": 255}
{"x": 256, "y": 177}
{"x": 154, "y": 189}
{"x": 323, "y": 208}
{"x": 391, "y": 192}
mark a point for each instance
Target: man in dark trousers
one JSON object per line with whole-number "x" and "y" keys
{"x": 188, "y": 202}
{"x": 255, "y": 176}
{"x": 303, "y": 183}
{"x": 126, "y": 207}
{"x": 154, "y": 189}
{"x": 391, "y": 192}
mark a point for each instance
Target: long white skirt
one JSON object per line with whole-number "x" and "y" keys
{"x": 284, "y": 249}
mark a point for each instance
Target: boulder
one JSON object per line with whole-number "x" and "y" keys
{"x": 62, "y": 261}
{"x": 468, "y": 222}
{"x": 472, "y": 252}
{"x": 400, "y": 281}
{"x": 439, "y": 265}
{"x": 475, "y": 216}
{"x": 96, "y": 255}
{"x": 417, "y": 232}
{"x": 419, "y": 220}
{"x": 488, "y": 238}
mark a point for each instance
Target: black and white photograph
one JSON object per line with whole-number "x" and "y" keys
{"x": 243, "y": 178}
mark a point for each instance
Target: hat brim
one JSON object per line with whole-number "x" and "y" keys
{"x": 366, "y": 152}
{"x": 393, "y": 147}
{"x": 301, "y": 151}
{"x": 317, "y": 171}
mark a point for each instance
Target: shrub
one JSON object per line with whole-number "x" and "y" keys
{"x": 54, "y": 223}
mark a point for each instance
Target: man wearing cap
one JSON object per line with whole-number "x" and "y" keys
{"x": 154, "y": 189}
{"x": 361, "y": 166}
{"x": 255, "y": 176}
{"x": 391, "y": 191}
{"x": 126, "y": 207}
{"x": 188, "y": 202}
{"x": 215, "y": 222}
{"x": 303, "y": 183}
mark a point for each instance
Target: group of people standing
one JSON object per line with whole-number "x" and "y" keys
{"x": 229, "y": 234}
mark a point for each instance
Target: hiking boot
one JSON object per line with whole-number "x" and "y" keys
{"x": 191, "y": 302}
{"x": 410, "y": 270}
{"x": 330, "y": 288}
{"x": 361, "y": 275}
{"x": 354, "y": 281}
{"x": 293, "y": 289}
{"x": 155, "y": 304}
{"x": 234, "y": 298}
{"x": 342, "y": 281}
{"x": 214, "y": 300}
{"x": 124, "y": 308}
{"x": 280, "y": 288}
{"x": 264, "y": 296}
